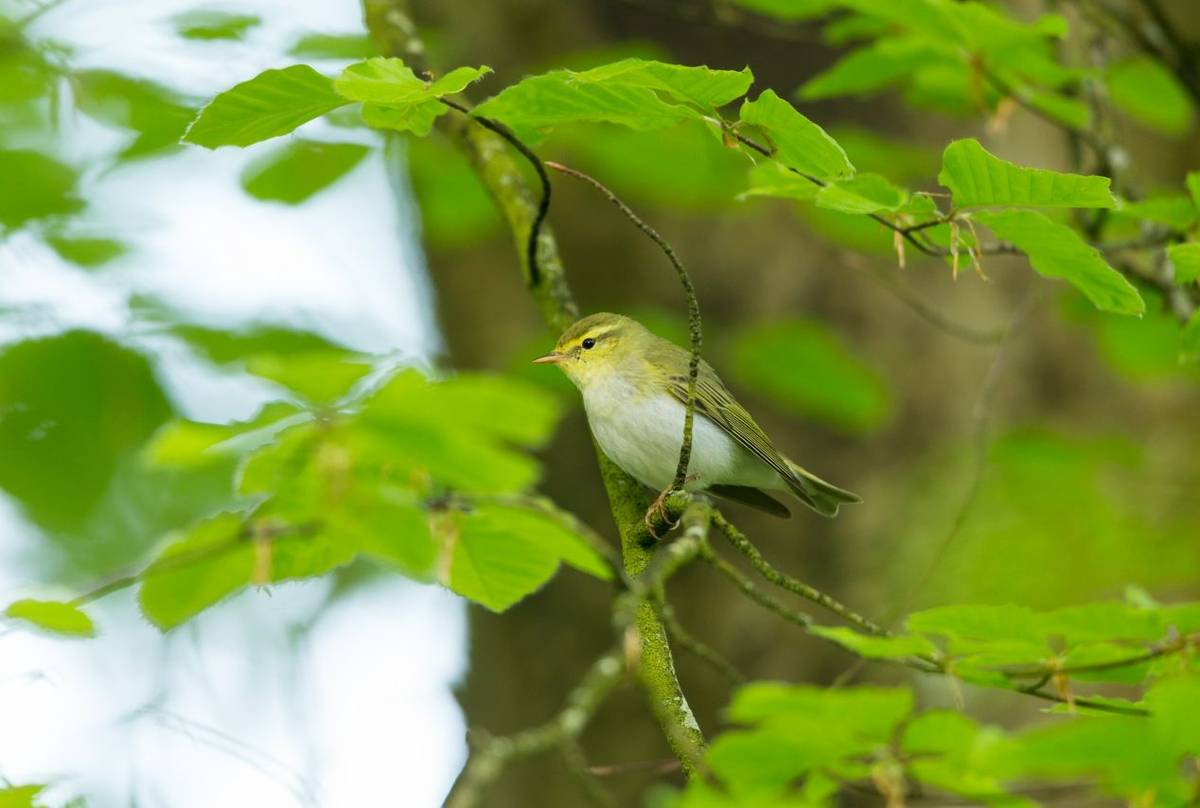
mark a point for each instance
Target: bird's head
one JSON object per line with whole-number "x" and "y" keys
{"x": 596, "y": 346}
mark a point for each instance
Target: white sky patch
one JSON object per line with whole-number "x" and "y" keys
{"x": 267, "y": 699}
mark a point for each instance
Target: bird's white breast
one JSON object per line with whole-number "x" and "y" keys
{"x": 642, "y": 434}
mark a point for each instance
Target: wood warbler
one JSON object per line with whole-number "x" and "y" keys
{"x": 635, "y": 390}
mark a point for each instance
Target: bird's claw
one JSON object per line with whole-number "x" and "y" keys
{"x": 658, "y": 510}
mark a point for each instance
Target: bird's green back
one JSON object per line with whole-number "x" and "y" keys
{"x": 716, "y": 403}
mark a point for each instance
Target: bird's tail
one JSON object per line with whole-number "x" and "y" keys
{"x": 823, "y": 497}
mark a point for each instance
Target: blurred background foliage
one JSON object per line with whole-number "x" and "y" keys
{"x": 1012, "y": 444}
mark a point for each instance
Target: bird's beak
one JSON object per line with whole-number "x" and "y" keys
{"x": 549, "y": 359}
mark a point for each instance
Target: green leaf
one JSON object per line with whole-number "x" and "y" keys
{"x": 182, "y": 444}
{"x": 395, "y": 535}
{"x": 396, "y": 98}
{"x": 862, "y": 193}
{"x": 225, "y": 345}
{"x": 60, "y": 440}
{"x": 53, "y": 616}
{"x": 204, "y": 565}
{"x": 550, "y": 530}
{"x": 489, "y": 563}
{"x": 389, "y": 81}
{"x": 675, "y": 168}
{"x": 491, "y": 404}
{"x": 440, "y": 430}
{"x": 1102, "y": 653}
{"x": 1185, "y": 258}
{"x": 1189, "y": 344}
{"x": 977, "y": 177}
{"x": 272, "y": 103}
{"x": 212, "y": 25}
{"x": 938, "y": 731}
{"x": 702, "y": 87}
{"x": 157, "y": 114}
{"x": 1057, "y": 251}
{"x": 332, "y": 46}
{"x": 1071, "y": 111}
{"x": 1145, "y": 90}
{"x": 853, "y": 28}
{"x": 20, "y": 796}
{"x": 1176, "y": 211}
{"x": 300, "y": 169}
{"x": 972, "y": 622}
{"x": 876, "y": 67}
{"x": 415, "y": 118}
{"x": 801, "y": 365}
{"x": 556, "y": 98}
{"x": 321, "y": 377}
{"x": 48, "y": 188}
{"x": 872, "y": 647}
{"x": 1193, "y": 186}
{"x": 868, "y": 714}
{"x": 770, "y": 178}
{"x": 638, "y": 93}
{"x": 85, "y": 251}
{"x": 1094, "y": 622}
{"x": 764, "y": 763}
{"x": 798, "y": 728}
{"x": 798, "y": 142}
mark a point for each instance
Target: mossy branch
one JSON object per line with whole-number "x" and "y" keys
{"x": 744, "y": 546}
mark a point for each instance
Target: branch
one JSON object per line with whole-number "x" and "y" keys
{"x": 564, "y": 729}
{"x": 923, "y": 309}
{"x": 263, "y": 529}
{"x": 696, "y": 521}
{"x": 1157, "y": 651}
{"x": 783, "y": 581}
{"x": 751, "y": 590}
{"x": 694, "y": 327}
{"x": 493, "y": 755}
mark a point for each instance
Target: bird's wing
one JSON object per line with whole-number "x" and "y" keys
{"x": 719, "y": 406}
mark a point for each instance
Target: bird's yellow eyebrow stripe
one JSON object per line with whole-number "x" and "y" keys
{"x": 596, "y": 335}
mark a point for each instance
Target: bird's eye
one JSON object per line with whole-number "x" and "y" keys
{"x": 588, "y": 344}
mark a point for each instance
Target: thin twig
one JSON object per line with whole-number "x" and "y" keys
{"x": 186, "y": 559}
{"x": 577, "y": 765}
{"x": 752, "y": 591}
{"x": 696, "y": 520}
{"x": 665, "y": 766}
{"x": 744, "y": 546}
{"x": 694, "y": 325}
{"x": 924, "y": 310}
{"x": 1100, "y": 706}
{"x": 688, "y": 642}
{"x": 491, "y": 758}
{"x": 1156, "y": 652}
{"x": 543, "y": 206}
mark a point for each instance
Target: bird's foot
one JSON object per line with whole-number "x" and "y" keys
{"x": 658, "y": 515}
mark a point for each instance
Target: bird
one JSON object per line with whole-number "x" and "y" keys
{"x": 634, "y": 386}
